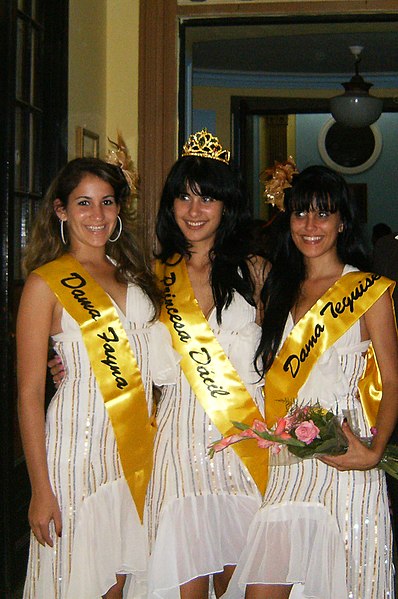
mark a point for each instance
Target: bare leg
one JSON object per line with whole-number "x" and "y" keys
{"x": 221, "y": 580}
{"x": 267, "y": 591}
{"x": 116, "y": 592}
{"x": 195, "y": 589}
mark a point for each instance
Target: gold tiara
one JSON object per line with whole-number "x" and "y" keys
{"x": 206, "y": 145}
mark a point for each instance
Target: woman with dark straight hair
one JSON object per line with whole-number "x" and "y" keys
{"x": 323, "y": 530}
{"x": 198, "y": 510}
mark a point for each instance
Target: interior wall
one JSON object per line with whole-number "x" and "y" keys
{"x": 122, "y": 71}
{"x": 103, "y": 71}
{"x": 218, "y": 100}
{"x": 381, "y": 179}
{"x": 87, "y": 70}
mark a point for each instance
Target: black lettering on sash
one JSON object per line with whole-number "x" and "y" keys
{"x": 76, "y": 282}
{"x": 172, "y": 312}
{"x": 203, "y": 359}
{"x": 336, "y": 308}
{"x": 294, "y": 362}
{"x": 110, "y": 358}
{"x": 348, "y": 301}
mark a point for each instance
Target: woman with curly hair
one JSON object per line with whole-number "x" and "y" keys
{"x": 89, "y": 457}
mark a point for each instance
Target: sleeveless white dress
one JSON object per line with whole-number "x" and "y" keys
{"x": 326, "y": 530}
{"x": 101, "y": 531}
{"x": 199, "y": 509}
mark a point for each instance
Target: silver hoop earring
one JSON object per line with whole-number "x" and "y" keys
{"x": 120, "y": 230}
{"x": 61, "y": 227}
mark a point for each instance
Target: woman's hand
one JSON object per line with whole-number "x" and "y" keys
{"x": 57, "y": 370}
{"x": 357, "y": 457}
{"x": 43, "y": 509}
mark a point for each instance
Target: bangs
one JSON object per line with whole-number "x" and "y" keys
{"x": 205, "y": 177}
{"x": 312, "y": 201}
{"x": 204, "y": 187}
{"x": 317, "y": 188}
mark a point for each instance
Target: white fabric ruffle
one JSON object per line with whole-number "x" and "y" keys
{"x": 213, "y": 538}
{"x": 163, "y": 359}
{"x": 109, "y": 538}
{"x": 241, "y": 355}
{"x": 328, "y": 383}
{"x": 273, "y": 556}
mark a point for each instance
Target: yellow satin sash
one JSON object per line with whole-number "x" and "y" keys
{"x": 114, "y": 366}
{"x": 333, "y": 314}
{"x": 214, "y": 380}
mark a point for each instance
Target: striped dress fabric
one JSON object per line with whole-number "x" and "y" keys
{"x": 199, "y": 509}
{"x": 327, "y": 531}
{"x": 101, "y": 531}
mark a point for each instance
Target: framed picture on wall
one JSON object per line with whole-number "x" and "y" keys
{"x": 87, "y": 143}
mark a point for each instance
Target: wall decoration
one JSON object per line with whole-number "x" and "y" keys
{"x": 348, "y": 150}
{"x": 87, "y": 143}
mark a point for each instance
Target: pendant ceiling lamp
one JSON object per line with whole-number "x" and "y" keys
{"x": 356, "y": 108}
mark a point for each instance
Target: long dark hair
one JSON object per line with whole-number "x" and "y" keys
{"x": 216, "y": 179}
{"x": 45, "y": 243}
{"x": 315, "y": 187}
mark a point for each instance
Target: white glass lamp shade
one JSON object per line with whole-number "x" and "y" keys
{"x": 356, "y": 108}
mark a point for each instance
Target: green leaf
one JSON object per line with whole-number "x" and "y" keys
{"x": 240, "y": 425}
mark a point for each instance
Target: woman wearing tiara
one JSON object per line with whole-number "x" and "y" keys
{"x": 323, "y": 530}
{"x": 198, "y": 510}
{"x": 90, "y": 458}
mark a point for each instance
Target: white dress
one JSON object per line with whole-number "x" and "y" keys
{"x": 198, "y": 508}
{"x": 327, "y": 530}
{"x": 101, "y": 531}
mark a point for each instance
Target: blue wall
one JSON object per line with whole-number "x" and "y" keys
{"x": 381, "y": 178}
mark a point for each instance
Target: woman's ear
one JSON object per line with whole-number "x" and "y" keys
{"x": 59, "y": 209}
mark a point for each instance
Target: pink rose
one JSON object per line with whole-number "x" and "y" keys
{"x": 307, "y": 431}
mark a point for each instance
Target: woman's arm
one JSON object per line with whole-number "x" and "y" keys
{"x": 380, "y": 324}
{"x": 35, "y": 317}
{"x": 259, "y": 269}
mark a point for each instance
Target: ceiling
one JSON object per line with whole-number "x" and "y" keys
{"x": 302, "y": 48}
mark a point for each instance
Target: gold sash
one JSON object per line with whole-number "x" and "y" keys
{"x": 333, "y": 314}
{"x": 114, "y": 366}
{"x": 214, "y": 380}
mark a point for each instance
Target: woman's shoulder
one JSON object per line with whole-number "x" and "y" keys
{"x": 35, "y": 284}
{"x": 37, "y": 299}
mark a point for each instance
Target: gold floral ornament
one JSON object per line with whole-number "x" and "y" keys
{"x": 278, "y": 178}
{"x": 205, "y": 144}
{"x": 119, "y": 155}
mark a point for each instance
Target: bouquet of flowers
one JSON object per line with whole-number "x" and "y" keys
{"x": 307, "y": 431}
